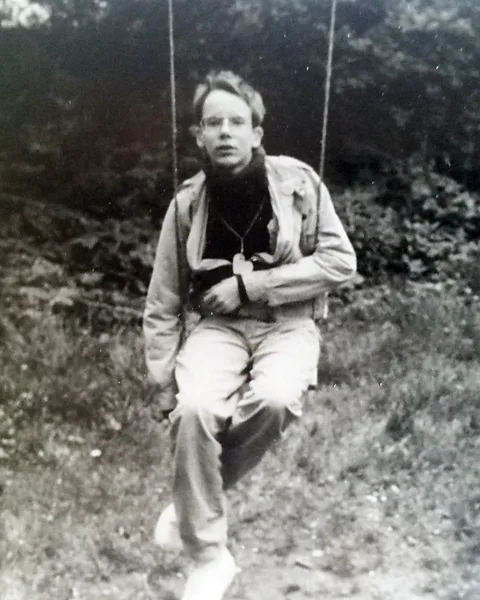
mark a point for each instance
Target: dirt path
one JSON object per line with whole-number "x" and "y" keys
{"x": 403, "y": 581}
{"x": 398, "y": 574}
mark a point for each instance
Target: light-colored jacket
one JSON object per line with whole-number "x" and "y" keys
{"x": 303, "y": 269}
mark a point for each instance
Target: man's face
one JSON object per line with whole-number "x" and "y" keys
{"x": 226, "y": 132}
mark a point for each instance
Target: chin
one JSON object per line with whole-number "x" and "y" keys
{"x": 230, "y": 165}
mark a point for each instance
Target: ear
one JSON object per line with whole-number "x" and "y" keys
{"x": 257, "y": 137}
{"x": 196, "y": 132}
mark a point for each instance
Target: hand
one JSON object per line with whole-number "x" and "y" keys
{"x": 222, "y": 298}
{"x": 161, "y": 402}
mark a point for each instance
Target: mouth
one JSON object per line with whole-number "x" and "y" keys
{"x": 225, "y": 149}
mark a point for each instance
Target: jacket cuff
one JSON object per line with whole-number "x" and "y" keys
{"x": 255, "y": 284}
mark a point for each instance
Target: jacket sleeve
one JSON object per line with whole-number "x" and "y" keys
{"x": 161, "y": 320}
{"x": 332, "y": 262}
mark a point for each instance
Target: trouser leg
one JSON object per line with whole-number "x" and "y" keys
{"x": 210, "y": 370}
{"x": 216, "y": 436}
{"x": 285, "y": 357}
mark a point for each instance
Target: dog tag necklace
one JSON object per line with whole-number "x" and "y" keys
{"x": 242, "y": 266}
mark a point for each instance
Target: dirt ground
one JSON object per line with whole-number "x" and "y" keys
{"x": 359, "y": 537}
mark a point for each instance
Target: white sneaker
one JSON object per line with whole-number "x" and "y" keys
{"x": 167, "y": 535}
{"x": 210, "y": 580}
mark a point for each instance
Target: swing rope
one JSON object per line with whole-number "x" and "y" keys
{"x": 174, "y": 144}
{"x": 173, "y": 94}
{"x": 323, "y": 148}
{"x": 328, "y": 84}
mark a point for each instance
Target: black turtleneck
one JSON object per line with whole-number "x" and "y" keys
{"x": 237, "y": 199}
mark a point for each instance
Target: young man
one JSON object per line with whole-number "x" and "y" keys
{"x": 247, "y": 239}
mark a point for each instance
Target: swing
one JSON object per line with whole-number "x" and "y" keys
{"x": 163, "y": 574}
{"x": 174, "y": 146}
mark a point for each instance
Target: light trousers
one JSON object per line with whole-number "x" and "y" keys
{"x": 240, "y": 383}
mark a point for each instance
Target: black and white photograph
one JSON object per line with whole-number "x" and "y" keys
{"x": 239, "y": 300}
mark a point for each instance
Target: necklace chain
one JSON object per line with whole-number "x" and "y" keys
{"x": 249, "y": 228}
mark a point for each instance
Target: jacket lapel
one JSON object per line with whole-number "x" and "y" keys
{"x": 196, "y": 238}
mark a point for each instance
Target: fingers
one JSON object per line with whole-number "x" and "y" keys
{"x": 211, "y": 305}
{"x": 215, "y": 306}
{"x": 221, "y": 299}
{"x": 218, "y": 308}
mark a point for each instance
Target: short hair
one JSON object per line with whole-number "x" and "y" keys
{"x": 228, "y": 82}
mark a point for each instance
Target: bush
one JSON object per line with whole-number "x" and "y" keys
{"x": 415, "y": 223}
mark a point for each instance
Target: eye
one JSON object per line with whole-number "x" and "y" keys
{"x": 237, "y": 121}
{"x": 213, "y": 122}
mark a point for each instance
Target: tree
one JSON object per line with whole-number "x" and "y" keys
{"x": 95, "y": 76}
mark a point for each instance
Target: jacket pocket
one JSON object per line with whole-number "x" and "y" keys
{"x": 308, "y": 234}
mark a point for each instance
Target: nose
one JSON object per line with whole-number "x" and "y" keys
{"x": 225, "y": 127}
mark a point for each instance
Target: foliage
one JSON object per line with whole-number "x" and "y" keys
{"x": 95, "y": 264}
{"x": 415, "y": 222}
{"x": 93, "y": 81}
{"x": 62, "y": 261}
{"x": 85, "y": 124}
{"x": 55, "y": 384}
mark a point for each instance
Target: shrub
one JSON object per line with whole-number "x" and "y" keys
{"x": 413, "y": 222}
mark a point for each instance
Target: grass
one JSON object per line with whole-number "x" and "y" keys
{"x": 373, "y": 494}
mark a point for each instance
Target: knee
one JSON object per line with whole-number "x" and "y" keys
{"x": 278, "y": 412}
{"x": 188, "y": 414}
{"x": 188, "y": 410}
{"x": 275, "y": 404}
{"x": 280, "y": 404}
